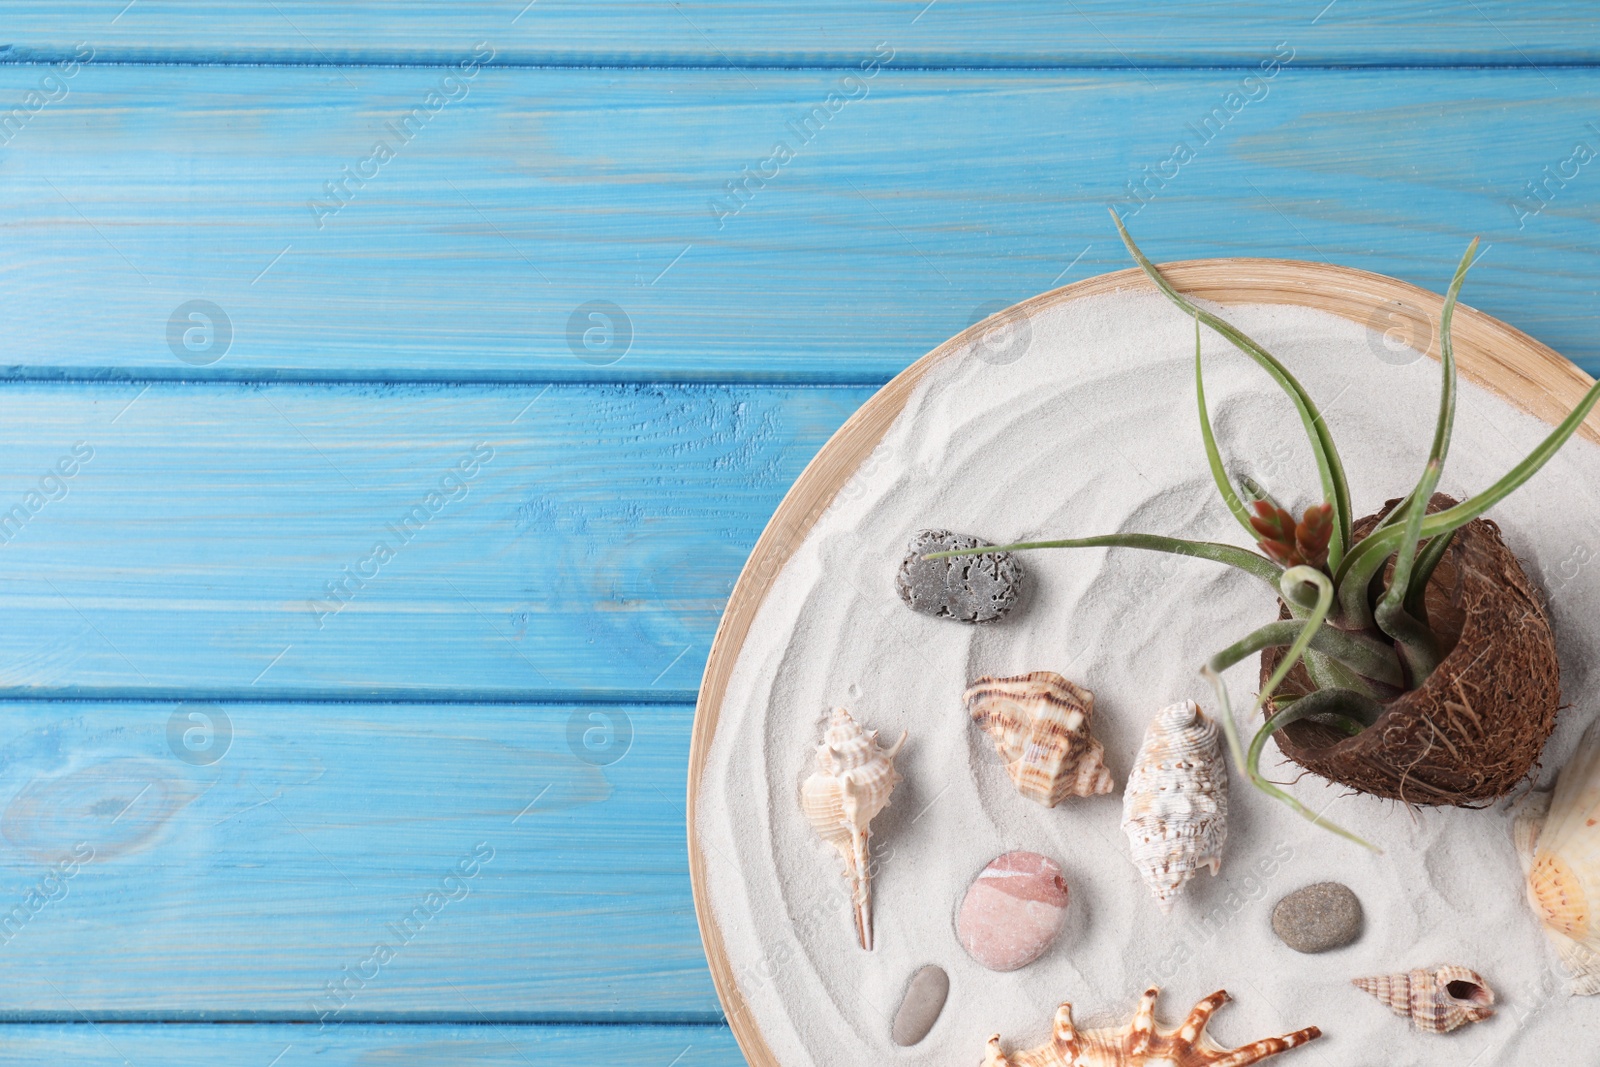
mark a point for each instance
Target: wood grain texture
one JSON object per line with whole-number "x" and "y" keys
{"x": 242, "y": 857}
{"x": 931, "y": 199}
{"x": 723, "y": 32}
{"x": 365, "y": 1046}
{"x": 223, "y": 540}
{"x": 1488, "y": 352}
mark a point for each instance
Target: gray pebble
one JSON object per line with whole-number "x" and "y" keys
{"x": 920, "y": 1009}
{"x": 967, "y": 588}
{"x": 1318, "y": 918}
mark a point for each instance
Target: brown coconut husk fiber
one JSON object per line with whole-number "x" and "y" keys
{"x": 1476, "y": 727}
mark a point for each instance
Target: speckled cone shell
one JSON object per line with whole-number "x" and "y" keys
{"x": 1175, "y": 809}
{"x": 1437, "y": 1001}
{"x": 1040, "y": 726}
{"x": 851, "y": 784}
{"x": 1142, "y": 1044}
{"x": 1561, "y": 854}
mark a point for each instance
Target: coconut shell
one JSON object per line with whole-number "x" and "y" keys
{"x": 1476, "y": 727}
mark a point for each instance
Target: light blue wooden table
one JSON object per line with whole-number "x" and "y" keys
{"x": 393, "y": 390}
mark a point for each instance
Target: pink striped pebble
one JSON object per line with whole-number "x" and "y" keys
{"x": 1013, "y": 911}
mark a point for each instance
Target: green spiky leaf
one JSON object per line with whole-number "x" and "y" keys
{"x": 1219, "y": 473}
{"x": 1371, "y": 554}
{"x": 1249, "y": 764}
{"x": 1252, "y": 491}
{"x": 1232, "y": 555}
{"x": 1330, "y": 468}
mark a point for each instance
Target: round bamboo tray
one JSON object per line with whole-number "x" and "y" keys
{"x": 1489, "y": 353}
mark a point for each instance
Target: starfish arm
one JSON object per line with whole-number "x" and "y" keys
{"x": 1066, "y": 1034}
{"x": 1260, "y": 1050}
{"x": 1142, "y": 1031}
{"x": 1195, "y": 1025}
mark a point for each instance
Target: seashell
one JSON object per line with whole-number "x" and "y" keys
{"x": 1437, "y": 1001}
{"x": 1558, "y": 837}
{"x": 1175, "y": 809}
{"x": 1142, "y": 1044}
{"x": 851, "y": 784}
{"x": 1040, "y": 726}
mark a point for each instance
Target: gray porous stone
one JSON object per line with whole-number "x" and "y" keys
{"x": 1318, "y": 918}
{"x": 920, "y": 1008}
{"x": 965, "y": 588}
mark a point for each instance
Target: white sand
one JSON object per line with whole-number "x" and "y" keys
{"x": 1094, "y": 430}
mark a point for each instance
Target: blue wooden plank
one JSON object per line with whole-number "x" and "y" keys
{"x": 361, "y": 1046}
{"x": 727, "y": 32}
{"x": 486, "y": 542}
{"x": 331, "y": 863}
{"x": 480, "y": 249}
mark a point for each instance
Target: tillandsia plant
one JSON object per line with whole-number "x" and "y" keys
{"x": 1416, "y": 661}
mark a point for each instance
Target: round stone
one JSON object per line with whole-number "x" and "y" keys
{"x": 920, "y": 1008}
{"x": 1013, "y": 911}
{"x": 966, "y": 588}
{"x": 1318, "y": 918}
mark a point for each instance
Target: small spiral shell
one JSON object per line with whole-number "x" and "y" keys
{"x": 1437, "y": 1001}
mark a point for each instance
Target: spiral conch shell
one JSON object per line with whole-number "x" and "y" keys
{"x": 1437, "y": 1001}
{"x": 1142, "y": 1044}
{"x": 1561, "y": 853}
{"x": 1175, "y": 809}
{"x": 1040, "y": 726}
{"x": 851, "y": 784}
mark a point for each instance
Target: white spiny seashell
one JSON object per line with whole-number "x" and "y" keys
{"x": 1558, "y": 837}
{"x": 1437, "y": 1001}
{"x": 1175, "y": 809}
{"x": 1040, "y": 726}
{"x": 851, "y": 784}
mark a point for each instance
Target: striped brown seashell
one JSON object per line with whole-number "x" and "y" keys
{"x": 1142, "y": 1044}
{"x": 1040, "y": 726}
{"x": 1438, "y": 1001}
